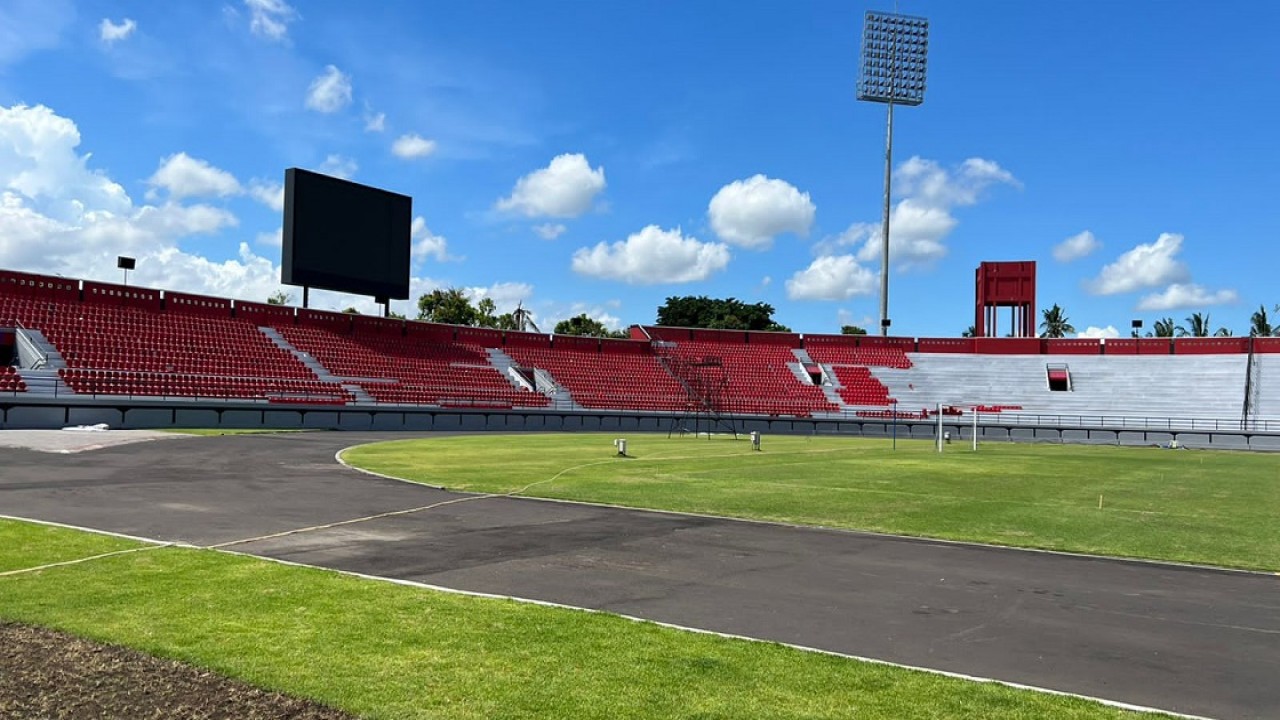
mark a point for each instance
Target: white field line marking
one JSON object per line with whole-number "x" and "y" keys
{"x": 95, "y": 531}
{"x": 397, "y": 513}
{"x": 728, "y": 636}
{"x": 154, "y": 544}
{"x": 78, "y": 561}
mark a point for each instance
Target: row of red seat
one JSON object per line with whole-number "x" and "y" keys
{"x": 150, "y": 352}
{"x": 607, "y": 381}
{"x": 860, "y": 387}
{"x": 131, "y": 382}
{"x": 757, "y": 378}
{"x": 425, "y": 371}
{"x": 832, "y": 353}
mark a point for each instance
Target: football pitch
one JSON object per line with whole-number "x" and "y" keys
{"x": 1204, "y": 507}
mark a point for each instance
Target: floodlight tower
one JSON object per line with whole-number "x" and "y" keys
{"x": 894, "y": 51}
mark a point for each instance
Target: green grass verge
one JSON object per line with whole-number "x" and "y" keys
{"x": 1207, "y": 507}
{"x": 387, "y": 651}
{"x": 27, "y": 545}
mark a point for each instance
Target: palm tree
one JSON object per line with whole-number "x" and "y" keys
{"x": 1197, "y": 326}
{"x": 1056, "y": 323}
{"x": 1223, "y": 332}
{"x": 1163, "y": 328}
{"x": 969, "y": 331}
{"x": 1259, "y": 325}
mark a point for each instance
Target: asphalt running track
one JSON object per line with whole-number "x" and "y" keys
{"x": 1195, "y": 641}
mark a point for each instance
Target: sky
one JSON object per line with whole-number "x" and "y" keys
{"x": 599, "y": 157}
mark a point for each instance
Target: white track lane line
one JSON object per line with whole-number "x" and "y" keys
{"x": 729, "y": 636}
{"x": 156, "y": 544}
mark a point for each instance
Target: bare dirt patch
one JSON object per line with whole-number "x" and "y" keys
{"x": 53, "y": 676}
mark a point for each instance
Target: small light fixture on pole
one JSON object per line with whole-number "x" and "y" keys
{"x": 895, "y": 49}
{"x": 126, "y": 264}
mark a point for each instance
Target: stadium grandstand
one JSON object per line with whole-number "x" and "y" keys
{"x": 69, "y": 339}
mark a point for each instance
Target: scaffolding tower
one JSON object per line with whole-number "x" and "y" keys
{"x": 708, "y": 404}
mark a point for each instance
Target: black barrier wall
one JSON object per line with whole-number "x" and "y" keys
{"x": 31, "y": 414}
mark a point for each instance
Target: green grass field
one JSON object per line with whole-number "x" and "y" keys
{"x": 1209, "y": 507}
{"x": 387, "y": 651}
{"x": 25, "y": 545}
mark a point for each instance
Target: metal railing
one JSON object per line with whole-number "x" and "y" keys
{"x": 1127, "y": 422}
{"x": 1011, "y": 419}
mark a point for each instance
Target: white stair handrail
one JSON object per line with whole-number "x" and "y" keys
{"x": 40, "y": 359}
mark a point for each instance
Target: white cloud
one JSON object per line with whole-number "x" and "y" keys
{"x": 549, "y": 231}
{"x": 652, "y": 256}
{"x": 831, "y": 277}
{"x": 1076, "y": 247}
{"x": 1186, "y": 295}
{"x": 558, "y": 312}
{"x": 751, "y": 212}
{"x": 564, "y": 189}
{"x": 412, "y": 146}
{"x": 921, "y": 221}
{"x": 271, "y": 239}
{"x": 916, "y": 233}
{"x": 932, "y": 185}
{"x": 426, "y": 244}
{"x": 59, "y": 216}
{"x": 330, "y": 91}
{"x": 1147, "y": 265}
{"x": 110, "y": 32}
{"x": 505, "y": 295}
{"x": 38, "y": 160}
{"x": 268, "y": 193}
{"x": 270, "y": 18}
{"x": 1096, "y": 332}
{"x": 184, "y": 176}
{"x": 374, "y": 122}
{"x": 339, "y": 166}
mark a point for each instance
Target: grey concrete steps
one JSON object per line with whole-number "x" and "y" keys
{"x": 45, "y": 354}
{"x": 322, "y": 373}
{"x": 44, "y": 382}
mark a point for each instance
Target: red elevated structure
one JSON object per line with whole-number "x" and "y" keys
{"x": 1006, "y": 284}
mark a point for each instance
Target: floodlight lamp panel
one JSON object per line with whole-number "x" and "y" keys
{"x": 894, "y": 59}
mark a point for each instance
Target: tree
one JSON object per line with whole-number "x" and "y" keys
{"x": 717, "y": 314}
{"x": 852, "y": 330}
{"x": 1223, "y": 332}
{"x": 351, "y": 311}
{"x": 485, "y": 310}
{"x": 1056, "y": 323}
{"x": 1259, "y": 324}
{"x": 971, "y": 331}
{"x": 447, "y": 305}
{"x": 1164, "y": 327}
{"x": 279, "y": 297}
{"x": 587, "y": 326}
{"x": 1197, "y": 326}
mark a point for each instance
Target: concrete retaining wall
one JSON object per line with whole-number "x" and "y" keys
{"x": 38, "y": 413}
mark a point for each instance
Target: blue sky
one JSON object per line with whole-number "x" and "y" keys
{"x": 601, "y": 156}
